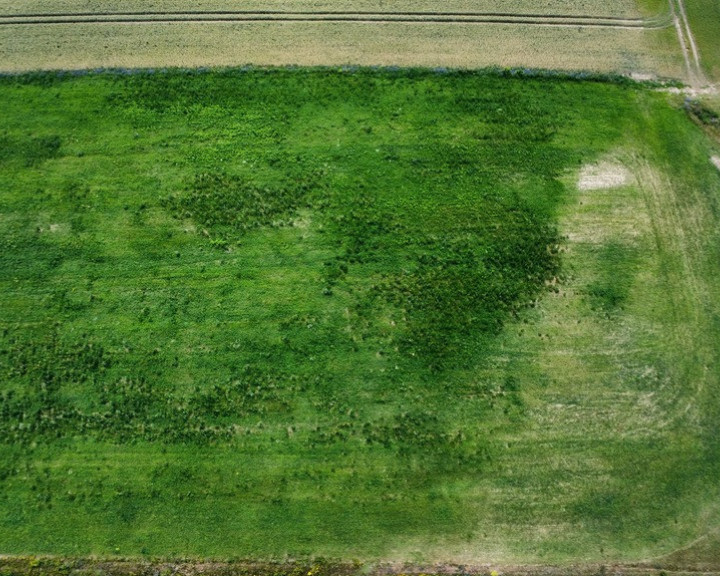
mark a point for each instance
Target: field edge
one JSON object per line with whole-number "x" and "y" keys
{"x": 515, "y": 72}
{"x": 95, "y": 566}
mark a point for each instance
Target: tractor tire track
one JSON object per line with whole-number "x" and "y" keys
{"x": 696, "y": 77}
{"x": 557, "y": 20}
{"x": 318, "y": 13}
{"x": 690, "y": 37}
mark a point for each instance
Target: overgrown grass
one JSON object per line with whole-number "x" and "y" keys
{"x": 269, "y": 312}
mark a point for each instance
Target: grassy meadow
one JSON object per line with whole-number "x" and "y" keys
{"x": 358, "y": 314}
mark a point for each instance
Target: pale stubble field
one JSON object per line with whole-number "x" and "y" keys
{"x": 631, "y": 38}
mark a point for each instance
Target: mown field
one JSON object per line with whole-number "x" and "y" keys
{"x": 621, "y": 36}
{"x": 623, "y": 8}
{"x": 703, "y": 16}
{"x": 427, "y": 316}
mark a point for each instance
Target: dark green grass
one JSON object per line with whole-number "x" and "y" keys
{"x": 257, "y": 313}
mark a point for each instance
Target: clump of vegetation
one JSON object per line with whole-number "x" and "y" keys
{"x": 462, "y": 288}
{"x": 609, "y": 291}
{"x": 702, "y": 115}
{"x": 31, "y": 151}
{"x": 231, "y": 204}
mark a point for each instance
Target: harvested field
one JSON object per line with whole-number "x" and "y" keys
{"x": 608, "y": 37}
{"x": 461, "y": 45}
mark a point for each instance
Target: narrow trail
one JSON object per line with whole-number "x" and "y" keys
{"x": 556, "y": 20}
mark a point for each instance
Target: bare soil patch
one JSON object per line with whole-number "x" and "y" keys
{"x": 603, "y": 175}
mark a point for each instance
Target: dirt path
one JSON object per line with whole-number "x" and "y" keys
{"x": 557, "y": 20}
{"x": 58, "y": 566}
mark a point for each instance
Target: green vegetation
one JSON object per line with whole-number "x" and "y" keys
{"x": 704, "y": 16}
{"x": 615, "y": 277}
{"x": 347, "y": 313}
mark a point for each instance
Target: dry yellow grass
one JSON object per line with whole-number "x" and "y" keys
{"x": 78, "y": 46}
{"x": 466, "y": 45}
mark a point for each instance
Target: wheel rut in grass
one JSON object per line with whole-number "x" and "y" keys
{"x": 556, "y": 20}
{"x": 688, "y": 45}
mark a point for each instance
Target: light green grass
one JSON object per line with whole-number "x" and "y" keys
{"x": 704, "y": 17}
{"x": 355, "y": 314}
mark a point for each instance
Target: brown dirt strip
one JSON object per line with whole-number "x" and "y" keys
{"x": 381, "y": 17}
{"x": 55, "y": 566}
{"x": 320, "y": 13}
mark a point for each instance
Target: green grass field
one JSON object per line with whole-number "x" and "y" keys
{"x": 359, "y": 314}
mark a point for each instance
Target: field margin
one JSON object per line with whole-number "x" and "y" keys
{"x": 61, "y": 566}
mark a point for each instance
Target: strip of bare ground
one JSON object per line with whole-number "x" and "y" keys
{"x": 562, "y": 20}
{"x": 56, "y": 566}
{"x": 313, "y": 12}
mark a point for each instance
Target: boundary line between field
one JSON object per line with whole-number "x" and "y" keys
{"x": 560, "y": 20}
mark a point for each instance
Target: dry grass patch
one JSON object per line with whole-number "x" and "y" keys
{"x": 79, "y": 46}
{"x": 604, "y": 175}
